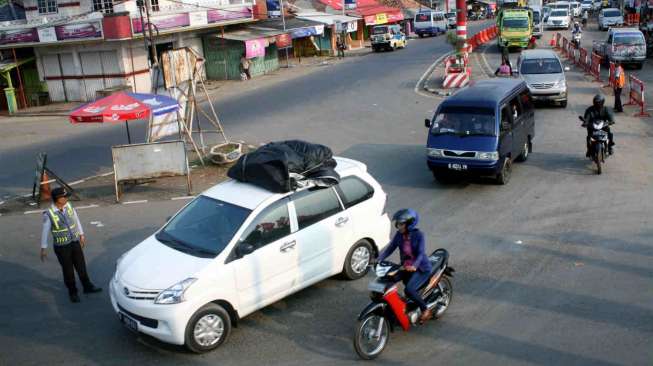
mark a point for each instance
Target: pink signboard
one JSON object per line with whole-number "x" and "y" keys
{"x": 19, "y": 36}
{"x": 163, "y": 22}
{"x": 215, "y": 16}
{"x": 255, "y": 48}
{"x": 78, "y": 31}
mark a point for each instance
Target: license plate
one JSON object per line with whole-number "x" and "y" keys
{"x": 457, "y": 166}
{"x": 130, "y": 323}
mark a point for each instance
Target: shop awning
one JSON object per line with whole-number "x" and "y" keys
{"x": 9, "y": 64}
{"x": 297, "y": 28}
{"x": 248, "y": 34}
{"x": 326, "y": 18}
{"x": 372, "y": 11}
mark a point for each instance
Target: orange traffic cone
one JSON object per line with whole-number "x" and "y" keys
{"x": 552, "y": 42}
{"x": 45, "y": 190}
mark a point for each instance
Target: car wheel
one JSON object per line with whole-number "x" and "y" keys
{"x": 563, "y": 104}
{"x": 207, "y": 329}
{"x": 506, "y": 171}
{"x": 357, "y": 261}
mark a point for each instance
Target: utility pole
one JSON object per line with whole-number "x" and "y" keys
{"x": 148, "y": 6}
{"x": 283, "y": 21}
{"x": 461, "y": 26}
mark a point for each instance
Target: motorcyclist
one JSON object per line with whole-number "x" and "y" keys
{"x": 576, "y": 29}
{"x": 585, "y": 17}
{"x": 417, "y": 268}
{"x": 598, "y": 112}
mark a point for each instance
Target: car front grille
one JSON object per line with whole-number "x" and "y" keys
{"x": 138, "y": 294}
{"x": 460, "y": 154}
{"x": 542, "y": 85}
{"x": 148, "y": 322}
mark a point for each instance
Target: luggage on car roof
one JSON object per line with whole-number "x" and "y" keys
{"x": 286, "y": 165}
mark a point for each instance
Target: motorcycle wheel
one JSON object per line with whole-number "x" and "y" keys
{"x": 445, "y": 297}
{"x": 367, "y": 343}
{"x": 597, "y": 159}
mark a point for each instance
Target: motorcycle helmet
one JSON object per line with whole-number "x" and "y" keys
{"x": 406, "y": 216}
{"x": 598, "y": 100}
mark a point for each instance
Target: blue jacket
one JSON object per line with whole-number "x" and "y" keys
{"x": 420, "y": 259}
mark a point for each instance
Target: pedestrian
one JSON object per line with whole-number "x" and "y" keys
{"x": 505, "y": 59}
{"x": 245, "y": 63}
{"x": 503, "y": 70}
{"x": 619, "y": 83}
{"x": 532, "y": 43}
{"x": 68, "y": 238}
{"x": 340, "y": 45}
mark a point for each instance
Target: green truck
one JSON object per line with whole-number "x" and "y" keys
{"x": 515, "y": 27}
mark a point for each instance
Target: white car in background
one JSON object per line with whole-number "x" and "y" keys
{"x": 609, "y": 17}
{"x": 558, "y": 19}
{"x": 576, "y": 9}
{"x": 237, "y": 247}
{"x": 586, "y": 5}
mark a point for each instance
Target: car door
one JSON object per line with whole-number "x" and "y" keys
{"x": 518, "y": 126}
{"x": 270, "y": 271}
{"x": 322, "y": 226}
{"x": 505, "y": 131}
{"x": 528, "y": 109}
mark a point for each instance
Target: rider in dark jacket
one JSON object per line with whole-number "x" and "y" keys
{"x": 417, "y": 268}
{"x": 598, "y": 112}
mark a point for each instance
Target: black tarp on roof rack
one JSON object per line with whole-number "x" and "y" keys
{"x": 284, "y": 166}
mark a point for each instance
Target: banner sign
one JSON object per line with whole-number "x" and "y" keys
{"x": 19, "y": 36}
{"x": 349, "y": 26}
{"x": 307, "y": 31}
{"x": 274, "y": 8}
{"x": 350, "y": 4}
{"x": 163, "y": 22}
{"x": 255, "y": 48}
{"x": 244, "y": 12}
{"x": 66, "y": 32}
{"x": 283, "y": 41}
{"x": 78, "y": 31}
{"x": 383, "y": 18}
{"x": 170, "y": 21}
{"x": 47, "y": 34}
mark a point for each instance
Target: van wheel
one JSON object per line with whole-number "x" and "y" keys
{"x": 525, "y": 151}
{"x": 207, "y": 329}
{"x": 506, "y": 171}
{"x": 357, "y": 261}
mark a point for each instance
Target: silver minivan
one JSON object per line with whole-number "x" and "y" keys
{"x": 544, "y": 74}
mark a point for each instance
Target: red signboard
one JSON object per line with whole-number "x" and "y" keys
{"x": 284, "y": 41}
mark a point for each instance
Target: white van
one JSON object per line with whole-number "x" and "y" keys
{"x": 430, "y": 22}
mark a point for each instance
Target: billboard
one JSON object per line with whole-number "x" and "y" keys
{"x": 274, "y": 8}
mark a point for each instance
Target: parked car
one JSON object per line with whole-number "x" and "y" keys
{"x": 586, "y": 5}
{"x": 236, "y": 248}
{"x": 544, "y": 74}
{"x": 451, "y": 19}
{"x": 387, "y": 37}
{"x": 610, "y": 17}
{"x": 558, "y": 19}
{"x": 481, "y": 130}
{"x": 626, "y": 45}
{"x": 575, "y": 9}
{"x": 430, "y": 22}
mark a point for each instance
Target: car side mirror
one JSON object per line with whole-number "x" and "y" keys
{"x": 427, "y": 123}
{"x": 567, "y": 68}
{"x": 244, "y": 249}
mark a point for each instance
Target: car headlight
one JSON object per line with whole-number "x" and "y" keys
{"x": 487, "y": 155}
{"x": 435, "y": 153}
{"x": 175, "y": 293}
{"x": 560, "y": 84}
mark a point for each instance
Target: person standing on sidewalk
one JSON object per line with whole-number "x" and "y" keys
{"x": 619, "y": 83}
{"x": 340, "y": 45}
{"x": 244, "y": 66}
{"x": 68, "y": 238}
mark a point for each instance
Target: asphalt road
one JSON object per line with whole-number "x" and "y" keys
{"x": 553, "y": 269}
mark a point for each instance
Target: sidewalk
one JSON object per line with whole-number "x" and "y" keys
{"x": 217, "y": 88}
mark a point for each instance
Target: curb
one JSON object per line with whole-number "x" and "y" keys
{"x": 421, "y": 83}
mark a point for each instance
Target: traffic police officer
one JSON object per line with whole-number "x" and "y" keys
{"x": 62, "y": 222}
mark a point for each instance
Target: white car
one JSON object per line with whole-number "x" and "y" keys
{"x": 609, "y": 17}
{"x": 576, "y": 9}
{"x": 559, "y": 18}
{"x": 586, "y": 5}
{"x": 236, "y": 248}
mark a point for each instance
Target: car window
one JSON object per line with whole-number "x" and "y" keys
{"x": 526, "y": 101}
{"x": 272, "y": 224}
{"x": 547, "y": 65}
{"x": 423, "y": 17}
{"x": 505, "y": 119}
{"x": 315, "y": 205}
{"x": 515, "y": 108}
{"x": 354, "y": 190}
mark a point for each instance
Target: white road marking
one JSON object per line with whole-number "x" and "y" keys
{"x": 182, "y": 198}
{"x": 133, "y": 202}
{"x": 519, "y": 242}
{"x": 32, "y": 212}
{"x": 106, "y": 174}
{"x": 77, "y": 182}
{"x": 87, "y": 206}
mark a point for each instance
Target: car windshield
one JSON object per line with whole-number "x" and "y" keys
{"x": 423, "y": 17}
{"x": 559, "y": 13}
{"x": 536, "y": 17}
{"x": 464, "y": 122}
{"x": 611, "y": 14}
{"x": 450, "y": 15}
{"x": 629, "y": 39}
{"x": 515, "y": 23}
{"x": 379, "y": 30}
{"x": 204, "y": 227}
{"x": 540, "y": 66}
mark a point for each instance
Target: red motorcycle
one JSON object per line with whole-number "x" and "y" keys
{"x": 389, "y": 308}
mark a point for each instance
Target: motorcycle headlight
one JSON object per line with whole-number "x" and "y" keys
{"x": 435, "y": 153}
{"x": 175, "y": 293}
{"x": 488, "y": 155}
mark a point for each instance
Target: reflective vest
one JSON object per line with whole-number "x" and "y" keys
{"x": 621, "y": 77}
{"x": 64, "y": 228}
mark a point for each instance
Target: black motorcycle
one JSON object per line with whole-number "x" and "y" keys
{"x": 598, "y": 143}
{"x": 390, "y": 309}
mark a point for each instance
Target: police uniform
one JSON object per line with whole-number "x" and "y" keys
{"x": 620, "y": 82}
{"x": 66, "y": 230}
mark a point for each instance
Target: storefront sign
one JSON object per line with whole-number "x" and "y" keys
{"x": 283, "y": 41}
{"x": 47, "y": 34}
{"x": 307, "y": 31}
{"x": 350, "y": 4}
{"x": 274, "y": 8}
{"x": 255, "y": 48}
{"x": 78, "y": 31}
{"x": 383, "y": 18}
{"x": 163, "y": 22}
{"x": 215, "y": 16}
{"x": 18, "y": 36}
{"x": 350, "y": 26}
{"x": 198, "y": 18}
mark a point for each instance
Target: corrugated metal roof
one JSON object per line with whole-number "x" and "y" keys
{"x": 325, "y": 18}
{"x": 248, "y": 33}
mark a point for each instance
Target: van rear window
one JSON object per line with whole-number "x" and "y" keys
{"x": 629, "y": 39}
{"x": 423, "y": 17}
